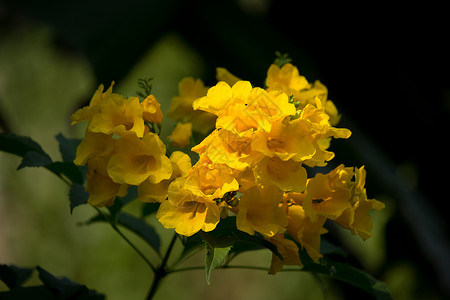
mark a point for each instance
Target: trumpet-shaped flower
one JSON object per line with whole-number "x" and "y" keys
{"x": 180, "y": 109}
{"x": 328, "y": 195}
{"x": 304, "y": 231}
{"x": 260, "y": 210}
{"x": 119, "y": 115}
{"x": 187, "y": 212}
{"x": 225, "y": 147}
{"x": 181, "y": 135}
{"x": 136, "y": 160}
{"x": 288, "y": 80}
{"x": 223, "y": 74}
{"x": 152, "y": 110}
{"x": 157, "y": 192}
{"x": 288, "y": 250}
{"x": 102, "y": 190}
{"x": 286, "y": 140}
{"x": 86, "y": 113}
{"x": 356, "y": 218}
{"x": 240, "y": 108}
{"x": 211, "y": 180}
{"x": 287, "y": 175}
{"x": 94, "y": 144}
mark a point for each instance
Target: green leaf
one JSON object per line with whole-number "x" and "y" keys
{"x": 136, "y": 225}
{"x": 226, "y": 234}
{"x": 34, "y": 159}
{"x": 64, "y": 288}
{"x": 14, "y": 276}
{"x": 214, "y": 258}
{"x": 19, "y": 145}
{"x": 67, "y": 147}
{"x": 77, "y": 196}
{"x": 68, "y": 169}
{"x": 33, "y": 156}
{"x": 33, "y": 292}
{"x": 52, "y": 288}
{"x": 347, "y": 273}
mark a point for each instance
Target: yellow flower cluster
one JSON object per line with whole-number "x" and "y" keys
{"x": 252, "y": 162}
{"x": 120, "y": 150}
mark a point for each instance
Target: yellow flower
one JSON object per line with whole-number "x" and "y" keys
{"x": 223, "y": 74}
{"x": 241, "y": 107}
{"x": 180, "y": 109}
{"x": 102, "y": 190}
{"x": 118, "y": 115}
{"x": 260, "y": 210}
{"x": 328, "y": 195}
{"x": 187, "y": 212}
{"x": 286, "y": 78}
{"x": 86, "y": 113}
{"x": 110, "y": 113}
{"x": 286, "y": 140}
{"x": 93, "y": 144}
{"x": 152, "y": 110}
{"x": 211, "y": 180}
{"x": 303, "y": 139}
{"x": 137, "y": 159}
{"x": 157, "y": 192}
{"x": 288, "y": 250}
{"x": 231, "y": 149}
{"x": 286, "y": 175}
{"x": 304, "y": 231}
{"x": 356, "y": 218}
{"x": 219, "y": 95}
{"x": 180, "y": 136}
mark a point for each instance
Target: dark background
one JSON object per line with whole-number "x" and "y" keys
{"x": 386, "y": 68}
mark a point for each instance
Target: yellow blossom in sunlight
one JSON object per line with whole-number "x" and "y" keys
{"x": 328, "y": 195}
{"x": 241, "y": 107}
{"x": 136, "y": 160}
{"x": 102, "y": 190}
{"x": 86, "y": 113}
{"x": 152, "y": 110}
{"x": 356, "y": 218}
{"x": 111, "y": 113}
{"x": 186, "y": 211}
{"x": 310, "y": 129}
{"x": 304, "y": 231}
{"x": 211, "y": 180}
{"x": 288, "y": 250}
{"x": 93, "y": 144}
{"x": 119, "y": 115}
{"x": 223, "y": 74}
{"x": 286, "y": 175}
{"x": 231, "y": 149}
{"x": 260, "y": 210}
{"x": 288, "y": 80}
{"x": 181, "y": 135}
{"x": 157, "y": 192}
{"x": 180, "y": 109}
{"x": 280, "y": 142}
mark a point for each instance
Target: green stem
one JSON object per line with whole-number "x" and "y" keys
{"x": 116, "y": 229}
{"x": 161, "y": 271}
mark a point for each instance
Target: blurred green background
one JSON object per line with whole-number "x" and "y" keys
{"x": 384, "y": 70}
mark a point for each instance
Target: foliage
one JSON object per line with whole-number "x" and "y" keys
{"x": 248, "y": 187}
